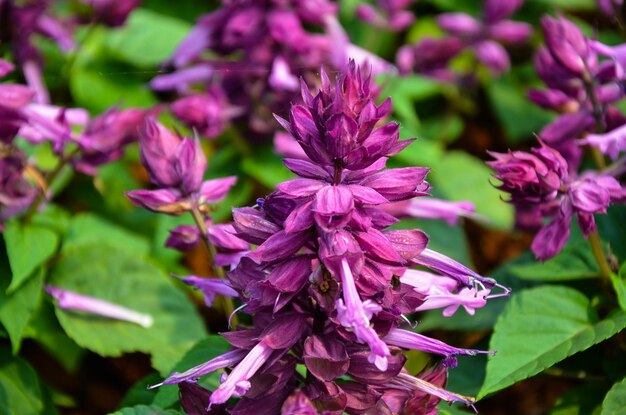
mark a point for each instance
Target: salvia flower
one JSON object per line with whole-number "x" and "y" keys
{"x": 582, "y": 87}
{"x": 540, "y": 183}
{"x": 69, "y": 300}
{"x": 328, "y": 282}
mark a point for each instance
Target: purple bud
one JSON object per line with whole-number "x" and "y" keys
{"x": 459, "y": 24}
{"x": 566, "y": 43}
{"x": 210, "y": 287}
{"x": 183, "y": 238}
{"x": 298, "y": 404}
{"x": 159, "y": 148}
{"x": 112, "y": 13}
{"x": 493, "y": 56}
{"x": 511, "y": 32}
{"x": 496, "y": 10}
{"x": 190, "y": 164}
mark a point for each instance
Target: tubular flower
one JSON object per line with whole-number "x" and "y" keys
{"x": 323, "y": 282}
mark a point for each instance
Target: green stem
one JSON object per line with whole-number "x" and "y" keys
{"x": 598, "y": 158}
{"x": 225, "y": 303}
{"x": 49, "y": 179}
{"x": 599, "y": 255}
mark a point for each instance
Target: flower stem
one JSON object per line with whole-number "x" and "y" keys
{"x": 49, "y": 179}
{"x": 225, "y": 303}
{"x": 599, "y": 255}
{"x": 597, "y": 111}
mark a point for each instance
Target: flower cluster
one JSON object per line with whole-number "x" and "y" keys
{"x": 176, "y": 166}
{"x": 78, "y": 140}
{"x": 544, "y": 183}
{"x": 273, "y": 46}
{"x": 484, "y": 37}
{"x": 581, "y": 87}
{"x": 541, "y": 186}
{"x": 329, "y": 283}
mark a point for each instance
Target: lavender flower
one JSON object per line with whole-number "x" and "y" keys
{"x": 69, "y": 300}
{"x": 432, "y": 208}
{"x": 322, "y": 283}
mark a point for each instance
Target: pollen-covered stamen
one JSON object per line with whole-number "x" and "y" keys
{"x": 356, "y": 314}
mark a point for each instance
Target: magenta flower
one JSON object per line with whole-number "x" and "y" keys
{"x": 323, "y": 282}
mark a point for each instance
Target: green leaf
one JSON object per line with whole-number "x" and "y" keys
{"x": 20, "y": 391}
{"x": 88, "y": 228}
{"x": 573, "y": 263}
{"x": 540, "y": 327}
{"x": 619, "y": 285}
{"x": 113, "y": 181}
{"x": 97, "y": 83}
{"x": 118, "y": 276}
{"x": 581, "y": 400}
{"x": 519, "y": 117}
{"x": 148, "y": 38}
{"x": 145, "y": 410}
{"x": 460, "y": 176}
{"x": 405, "y": 91}
{"x": 615, "y": 401}
{"x": 266, "y": 167}
{"x": 17, "y": 308}
{"x": 53, "y": 217}
{"x": 203, "y": 351}
{"x": 28, "y": 247}
{"x": 46, "y": 330}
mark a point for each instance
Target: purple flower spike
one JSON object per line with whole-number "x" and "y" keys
{"x": 69, "y": 300}
{"x": 611, "y": 143}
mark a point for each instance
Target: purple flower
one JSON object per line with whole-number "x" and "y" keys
{"x": 540, "y": 185}
{"x": 210, "y": 287}
{"x": 567, "y": 45}
{"x": 112, "y": 13}
{"x": 432, "y": 208}
{"x": 322, "y": 282}
{"x": 485, "y": 37}
{"x": 69, "y": 300}
{"x": 415, "y": 341}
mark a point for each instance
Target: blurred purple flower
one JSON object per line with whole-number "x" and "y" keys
{"x": 69, "y": 300}
{"x": 389, "y": 14}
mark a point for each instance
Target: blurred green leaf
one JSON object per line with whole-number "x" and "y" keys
{"x": 46, "y": 330}
{"x": 540, "y": 327}
{"x": 266, "y": 167}
{"x": 147, "y": 39}
{"x": 17, "y": 308}
{"x": 28, "y": 247}
{"x": 615, "y": 401}
{"x": 53, "y": 217}
{"x": 612, "y": 229}
{"x": 519, "y": 117}
{"x": 113, "y": 181}
{"x": 20, "y": 391}
{"x": 405, "y": 90}
{"x": 574, "y": 262}
{"x": 116, "y": 275}
{"x": 205, "y": 350}
{"x": 97, "y": 83}
{"x": 581, "y": 400}
{"x": 619, "y": 285}
{"x": 460, "y": 176}
{"x": 87, "y": 228}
